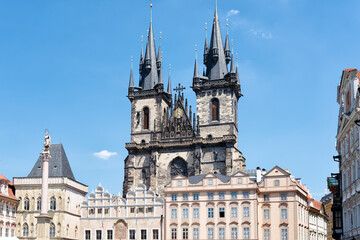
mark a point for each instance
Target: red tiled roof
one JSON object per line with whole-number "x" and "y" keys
{"x": 349, "y": 69}
{"x": 3, "y": 178}
{"x": 11, "y": 193}
{"x": 358, "y": 76}
{"x": 317, "y": 205}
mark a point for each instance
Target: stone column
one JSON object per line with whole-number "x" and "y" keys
{"x": 43, "y": 220}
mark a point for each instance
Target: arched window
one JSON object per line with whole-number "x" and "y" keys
{"x": 26, "y": 204}
{"x": 25, "y": 230}
{"x": 146, "y": 118}
{"x": 143, "y": 174}
{"x": 53, "y": 203}
{"x": 215, "y": 109}
{"x": 38, "y": 203}
{"x": 52, "y": 230}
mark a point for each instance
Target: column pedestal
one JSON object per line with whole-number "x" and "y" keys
{"x": 43, "y": 227}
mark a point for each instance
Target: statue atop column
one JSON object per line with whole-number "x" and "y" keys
{"x": 47, "y": 142}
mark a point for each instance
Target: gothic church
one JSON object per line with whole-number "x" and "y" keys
{"x": 167, "y": 138}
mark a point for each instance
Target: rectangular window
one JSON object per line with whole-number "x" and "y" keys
{"x": 283, "y": 196}
{"x": 246, "y": 233}
{"x": 246, "y": 212}
{"x": 132, "y": 210}
{"x": 6, "y": 232}
{"x": 149, "y": 209}
{"x": 106, "y": 210}
{"x": 179, "y": 183}
{"x": 283, "y": 213}
{"x": 13, "y": 232}
{"x": 210, "y": 196}
{"x": 266, "y": 213}
{"x": 173, "y": 197}
{"x": 221, "y": 195}
{"x": 7, "y": 210}
{"x": 99, "y": 211}
{"x": 266, "y": 234}
{"x": 155, "y": 235}
{"x": 141, "y": 210}
{"x": 13, "y": 211}
{"x": 246, "y": 195}
{"x": 185, "y": 233}
{"x": 196, "y": 213}
{"x": 185, "y": 213}
{"x": 173, "y": 213}
{"x": 87, "y": 234}
{"x": 196, "y": 233}
{"x": 284, "y": 234}
{"x": 210, "y": 212}
{"x": 210, "y": 233}
{"x": 210, "y": 181}
{"x": 173, "y": 233}
{"x": 98, "y": 234}
{"x": 234, "y": 233}
{"x": 221, "y": 233}
{"x": 185, "y": 197}
{"x": 195, "y": 196}
{"x": 239, "y": 180}
{"x": 132, "y": 234}
{"x": 222, "y": 212}
{"x": 233, "y": 195}
{"x": 266, "y": 197}
{"x": 143, "y": 234}
{"x": 110, "y": 234}
{"x": 234, "y": 212}
{"x": 0, "y": 231}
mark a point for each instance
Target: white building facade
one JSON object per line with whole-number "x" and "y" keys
{"x": 139, "y": 216}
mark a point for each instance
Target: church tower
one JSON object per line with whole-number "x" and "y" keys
{"x": 167, "y": 138}
{"x": 218, "y": 90}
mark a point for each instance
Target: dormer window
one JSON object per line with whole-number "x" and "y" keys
{"x": 348, "y": 100}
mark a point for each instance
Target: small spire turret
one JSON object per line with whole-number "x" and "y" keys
{"x": 227, "y": 45}
{"x": 196, "y": 70}
{"x": 131, "y": 81}
{"x": 169, "y": 81}
{"x": 206, "y": 46}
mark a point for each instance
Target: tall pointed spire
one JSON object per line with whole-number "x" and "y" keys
{"x": 232, "y": 66}
{"x": 206, "y": 46}
{"x": 159, "y": 62}
{"x": 169, "y": 81}
{"x": 150, "y": 74}
{"x": 131, "y": 81}
{"x": 227, "y": 45}
{"x": 196, "y": 69}
{"x": 216, "y": 64}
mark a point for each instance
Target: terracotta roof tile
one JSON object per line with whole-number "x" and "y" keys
{"x": 349, "y": 69}
{"x": 358, "y": 76}
{"x": 317, "y": 204}
{"x": 11, "y": 193}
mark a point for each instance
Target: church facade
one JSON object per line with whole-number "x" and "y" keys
{"x": 167, "y": 137}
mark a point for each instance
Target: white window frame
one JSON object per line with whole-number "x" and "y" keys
{"x": 85, "y": 234}
{"x": 129, "y": 233}
{"x": 152, "y": 233}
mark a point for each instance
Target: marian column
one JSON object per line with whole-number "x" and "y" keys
{"x": 43, "y": 220}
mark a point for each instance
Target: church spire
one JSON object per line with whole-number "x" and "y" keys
{"x": 149, "y": 73}
{"x": 216, "y": 63}
{"x": 196, "y": 69}
{"x": 169, "y": 81}
{"x": 206, "y": 46}
{"x": 227, "y": 45}
{"x": 131, "y": 81}
{"x": 159, "y": 62}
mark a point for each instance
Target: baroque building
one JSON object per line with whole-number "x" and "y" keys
{"x": 138, "y": 216}
{"x": 65, "y": 196}
{"x": 347, "y": 146}
{"x": 249, "y": 204}
{"x": 8, "y": 205}
{"x": 167, "y": 137}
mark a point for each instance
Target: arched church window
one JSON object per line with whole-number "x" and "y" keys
{"x": 146, "y": 118}
{"x": 26, "y": 204}
{"x": 53, "y": 203}
{"x": 52, "y": 230}
{"x": 38, "y": 203}
{"x": 25, "y": 230}
{"x": 178, "y": 166}
{"x": 215, "y": 109}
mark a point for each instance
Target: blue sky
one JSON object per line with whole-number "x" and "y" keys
{"x": 64, "y": 65}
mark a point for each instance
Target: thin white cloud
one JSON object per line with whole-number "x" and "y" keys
{"x": 232, "y": 12}
{"x": 105, "y": 154}
{"x": 261, "y": 34}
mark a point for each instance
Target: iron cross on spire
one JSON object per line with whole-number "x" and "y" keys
{"x": 179, "y": 89}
